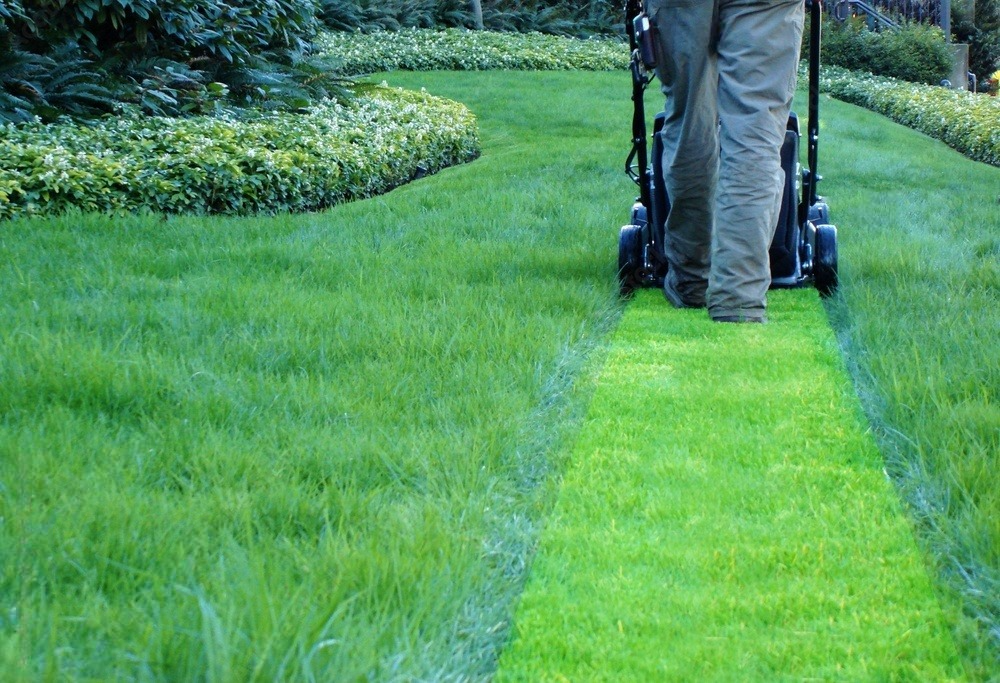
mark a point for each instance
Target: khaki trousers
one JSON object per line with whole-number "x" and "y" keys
{"x": 728, "y": 70}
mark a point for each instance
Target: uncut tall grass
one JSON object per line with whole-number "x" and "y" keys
{"x": 919, "y": 317}
{"x": 306, "y": 447}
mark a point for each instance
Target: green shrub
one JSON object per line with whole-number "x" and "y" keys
{"x": 229, "y": 31}
{"x": 456, "y": 49}
{"x": 560, "y": 17}
{"x": 166, "y": 54}
{"x": 967, "y": 122}
{"x": 224, "y": 164}
{"x": 913, "y": 52}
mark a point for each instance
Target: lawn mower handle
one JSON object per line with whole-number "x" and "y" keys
{"x": 812, "y": 135}
{"x": 641, "y": 62}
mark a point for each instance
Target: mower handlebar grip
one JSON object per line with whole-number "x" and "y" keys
{"x": 642, "y": 32}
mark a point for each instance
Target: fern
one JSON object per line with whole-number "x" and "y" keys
{"x": 453, "y": 13}
{"x": 71, "y": 86}
{"x": 18, "y": 92}
{"x": 341, "y": 15}
{"x": 50, "y": 85}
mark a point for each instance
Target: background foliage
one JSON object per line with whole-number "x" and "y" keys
{"x": 580, "y": 19}
{"x": 178, "y": 57}
{"x": 417, "y": 49}
{"x": 170, "y": 57}
{"x": 914, "y": 52}
{"x": 981, "y": 31}
{"x": 960, "y": 119}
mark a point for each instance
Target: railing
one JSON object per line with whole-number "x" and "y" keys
{"x": 923, "y": 11}
{"x": 886, "y": 13}
{"x": 842, "y": 9}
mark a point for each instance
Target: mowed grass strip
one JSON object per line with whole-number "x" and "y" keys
{"x": 726, "y": 517}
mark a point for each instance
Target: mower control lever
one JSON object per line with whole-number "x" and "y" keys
{"x": 643, "y": 35}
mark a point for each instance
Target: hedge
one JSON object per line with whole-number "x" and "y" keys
{"x": 460, "y": 50}
{"x": 233, "y": 165}
{"x": 968, "y": 122}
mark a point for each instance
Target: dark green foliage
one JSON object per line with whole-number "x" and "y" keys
{"x": 229, "y": 31}
{"x": 19, "y": 89}
{"x": 593, "y": 17}
{"x": 982, "y": 32}
{"x": 385, "y": 15}
{"x": 915, "y": 52}
{"x": 169, "y": 57}
{"x": 47, "y": 85}
{"x": 174, "y": 57}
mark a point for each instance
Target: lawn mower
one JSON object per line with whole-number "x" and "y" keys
{"x": 804, "y": 248}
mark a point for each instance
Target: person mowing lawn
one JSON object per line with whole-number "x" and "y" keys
{"x": 728, "y": 70}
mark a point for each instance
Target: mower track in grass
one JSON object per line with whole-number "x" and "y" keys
{"x": 726, "y": 517}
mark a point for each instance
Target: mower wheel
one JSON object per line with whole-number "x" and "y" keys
{"x": 629, "y": 258}
{"x": 825, "y": 267}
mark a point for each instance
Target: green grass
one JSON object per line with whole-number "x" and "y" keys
{"x": 726, "y": 517}
{"x": 307, "y": 445}
{"x": 321, "y": 446}
{"x": 918, "y": 321}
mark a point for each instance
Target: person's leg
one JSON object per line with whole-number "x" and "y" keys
{"x": 758, "y": 60}
{"x": 687, "y": 71}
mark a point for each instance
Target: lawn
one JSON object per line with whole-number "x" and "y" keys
{"x": 309, "y": 445}
{"x": 725, "y": 517}
{"x": 321, "y": 446}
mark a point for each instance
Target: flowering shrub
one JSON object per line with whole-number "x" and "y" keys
{"x": 967, "y": 122}
{"x": 993, "y": 83}
{"x": 460, "y": 50}
{"x": 256, "y": 163}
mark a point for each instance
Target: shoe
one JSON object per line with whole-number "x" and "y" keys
{"x": 676, "y": 300}
{"x": 740, "y": 319}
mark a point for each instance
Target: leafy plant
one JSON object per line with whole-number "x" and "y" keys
{"x": 233, "y": 163}
{"x": 61, "y": 82}
{"x": 456, "y": 49}
{"x": 914, "y": 52}
{"x": 164, "y": 56}
{"x": 18, "y": 89}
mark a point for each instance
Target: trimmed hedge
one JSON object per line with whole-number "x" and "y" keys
{"x": 967, "y": 122}
{"x": 460, "y": 50}
{"x": 260, "y": 163}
